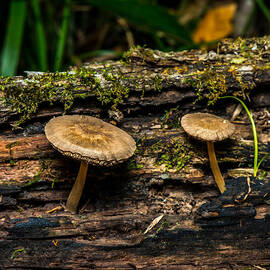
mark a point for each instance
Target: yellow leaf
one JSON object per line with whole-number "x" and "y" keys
{"x": 216, "y": 24}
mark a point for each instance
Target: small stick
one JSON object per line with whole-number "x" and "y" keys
{"x": 55, "y": 209}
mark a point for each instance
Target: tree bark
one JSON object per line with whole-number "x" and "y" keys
{"x": 161, "y": 209}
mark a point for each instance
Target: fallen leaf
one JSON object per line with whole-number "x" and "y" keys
{"x": 216, "y": 23}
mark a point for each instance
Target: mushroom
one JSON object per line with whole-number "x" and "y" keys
{"x": 210, "y": 128}
{"x": 91, "y": 141}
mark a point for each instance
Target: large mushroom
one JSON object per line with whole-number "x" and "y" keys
{"x": 210, "y": 128}
{"x": 91, "y": 141}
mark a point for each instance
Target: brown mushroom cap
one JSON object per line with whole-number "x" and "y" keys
{"x": 207, "y": 127}
{"x": 89, "y": 139}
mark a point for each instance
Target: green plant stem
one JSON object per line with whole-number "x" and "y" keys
{"x": 264, "y": 9}
{"x": 255, "y": 138}
{"x": 144, "y": 13}
{"x": 13, "y": 37}
{"x": 263, "y": 158}
{"x": 62, "y": 37}
{"x": 40, "y": 36}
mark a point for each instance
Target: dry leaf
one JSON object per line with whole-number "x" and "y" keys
{"x": 216, "y": 24}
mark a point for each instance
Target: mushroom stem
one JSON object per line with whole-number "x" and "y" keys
{"x": 215, "y": 168}
{"x": 76, "y": 192}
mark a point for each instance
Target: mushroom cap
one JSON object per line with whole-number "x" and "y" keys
{"x": 89, "y": 139}
{"x": 207, "y": 127}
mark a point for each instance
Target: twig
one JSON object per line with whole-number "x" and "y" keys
{"x": 249, "y": 188}
{"x": 16, "y": 251}
{"x": 236, "y": 112}
{"x": 153, "y": 223}
{"x": 258, "y": 267}
{"x": 57, "y": 208}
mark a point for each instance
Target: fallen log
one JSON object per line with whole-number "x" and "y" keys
{"x": 161, "y": 209}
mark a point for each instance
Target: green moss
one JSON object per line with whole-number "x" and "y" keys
{"x": 117, "y": 92}
{"x": 158, "y": 83}
{"x": 208, "y": 83}
{"x": 247, "y": 45}
{"x": 238, "y": 60}
{"x": 265, "y": 66}
{"x": 211, "y": 84}
{"x": 127, "y": 55}
{"x": 132, "y": 164}
{"x": 54, "y": 181}
{"x": 241, "y": 44}
{"x": 171, "y": 118}
{"x": 163, "y": 226}
{"x": 43, "y": 165}
{"x": 147, "y": 55}
{"x": 35, "y": 179}
{"x": 9, "y": 146}
{"x": 26, "y": 95}
{"x": 173, "y": 153}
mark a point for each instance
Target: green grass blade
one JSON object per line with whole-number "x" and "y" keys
{"x": 41, "y": 46}
{"x": 154, "y": 17}
{"x": 62, "y": 37}
{"x": 264, "y": 9}
{"x": 263, "y": 158}
{"x": 13, "y": 37}
{"x": 255, "y": 138}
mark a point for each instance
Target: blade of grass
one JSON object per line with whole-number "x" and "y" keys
{"x": 154, "y": 17}
{"x": 255, "y": 138}
{"x": 62, "y": 36}
{"x": 263, "y": 158}
{"x": 13, "y": 37}
{"x": 41, "y": 45}
{"x": 264, "y": 9}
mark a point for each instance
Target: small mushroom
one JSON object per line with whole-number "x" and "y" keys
{"x": 210, "y": 128}
{"x": 90, "y": 140}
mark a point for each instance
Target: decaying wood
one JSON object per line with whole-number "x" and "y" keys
{"x": 155, "y": 211}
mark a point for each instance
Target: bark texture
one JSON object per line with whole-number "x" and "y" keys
{"x": 161, "y": 209}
